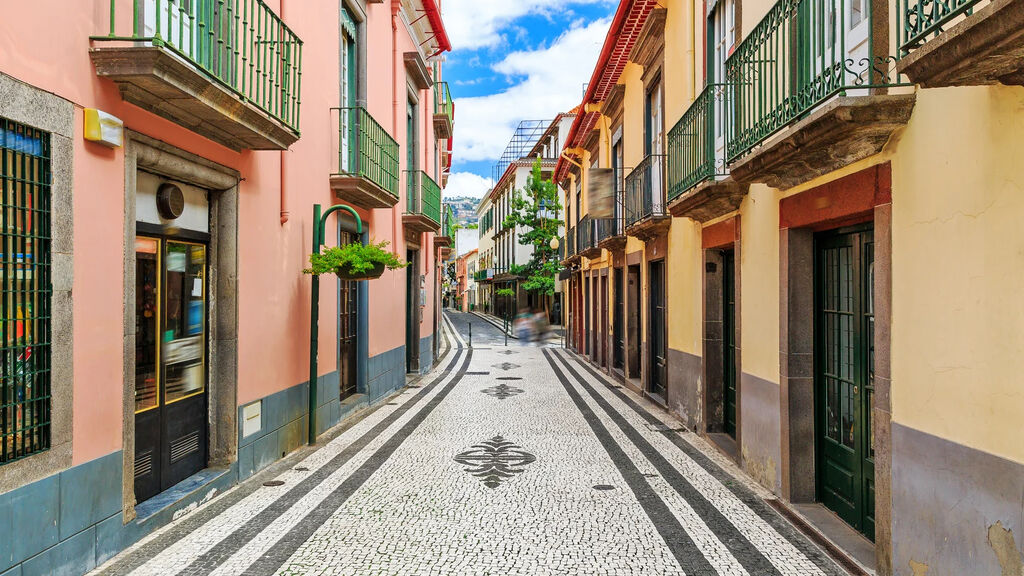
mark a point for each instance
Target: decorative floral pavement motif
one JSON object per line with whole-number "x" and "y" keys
{"x": 495, "y": 460}
{"x": 502, "y": 391}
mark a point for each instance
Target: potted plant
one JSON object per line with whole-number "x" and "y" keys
{"x": 355, "y": 261}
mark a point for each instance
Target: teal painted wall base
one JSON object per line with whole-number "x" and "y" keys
{"x": 71, "y": 522}
{"x": 385, "y": 373}
{"x": 426, "y": 354}
{"x": 283, "y": 425}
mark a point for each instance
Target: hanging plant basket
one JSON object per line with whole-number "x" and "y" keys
{"x": 345, "y": 272}
{"x": 355, "y": 261}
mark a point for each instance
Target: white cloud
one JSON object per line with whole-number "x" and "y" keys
{"x": 552, "y": 82}
{"x": 473, "y": 24}
{"x": 461, "y": 184}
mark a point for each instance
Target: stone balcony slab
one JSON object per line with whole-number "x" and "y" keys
{"x": 838, "y": 133}
{"x": 986, "y": 47}
{"x": 157, "y": 80}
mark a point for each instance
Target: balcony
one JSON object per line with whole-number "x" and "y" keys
{"x": 810, "y": 91}
{"x": 423, "y": 206}
{"x": 367, "y": 171}
{"x": 484, "y": 275}
{"x": 585, "y": 244}
{"x": 591, "y": 232}
{"x": 699, "y": 186}
{"x": 611, "y": 232}
{"x": 444, "y": 111}
{"x": 646, "y": 216}
{"x": 228, "y": 70}
{"x": 962, "y": 42}
{"x": 570, "y": 255}
{"x": 446, "y": 237}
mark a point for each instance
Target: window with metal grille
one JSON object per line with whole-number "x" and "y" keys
{"x": 25, "y": 291}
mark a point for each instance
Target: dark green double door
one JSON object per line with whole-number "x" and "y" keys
{"x": 844, "y": 370}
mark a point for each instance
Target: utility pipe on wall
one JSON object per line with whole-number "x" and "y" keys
{"x": 285, "y": 214}
{"x": 396, "y": 5}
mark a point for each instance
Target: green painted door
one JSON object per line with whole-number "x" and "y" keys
{"x": 844, "y": 359}
{"x": 729, "y": 341}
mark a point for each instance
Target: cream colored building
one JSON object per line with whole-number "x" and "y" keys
{"x": 836, "y": 188}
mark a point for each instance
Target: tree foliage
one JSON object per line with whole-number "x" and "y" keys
{"x": 535, "y": 210}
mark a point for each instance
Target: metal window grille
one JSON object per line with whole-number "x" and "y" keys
{"x": 25, "y": 297}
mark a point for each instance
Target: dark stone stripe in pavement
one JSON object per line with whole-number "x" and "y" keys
{"x": 742, "y": 493}
{"x": 745, "y": 553}
{"x": 226, "y": 548}
{"x": 679, "y": 542}
{"x": 282, "y": 550}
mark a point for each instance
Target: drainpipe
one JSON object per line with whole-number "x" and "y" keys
{"x": 693, "y": 49}
{"x": 285, "y": 214}
{"x": 396, "y": 5}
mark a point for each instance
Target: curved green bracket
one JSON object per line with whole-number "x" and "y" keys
{"x": 320, "y": 221}
{"x": 319, "y": 226}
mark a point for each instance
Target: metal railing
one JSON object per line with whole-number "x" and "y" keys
{"x": 802, "y": 53}
{"x": 241, "y": 44}
{"x": 605, "y": 228}
{"x": 365, "y": 149}
{"x": 692, "y": 157}
{"x": 585, "y": 234}
{"x": 448, "y": 222}
{"x": 645, "y": 190}
{"x": 570, "y": 242}
{"x": 424, "y": 195}
{"x": 443, "y": 104}
{"x": 924, "y": 19}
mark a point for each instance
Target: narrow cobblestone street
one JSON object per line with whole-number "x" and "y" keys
{"x": 503, "y": 460}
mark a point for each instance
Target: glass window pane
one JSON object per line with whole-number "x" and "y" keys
{"x": 185, "y": 328}
{"x": 147, "y": 297}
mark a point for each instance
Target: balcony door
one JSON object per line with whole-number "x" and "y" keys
{"x": 721, "y": 39}
{"x": 347, "y": 90}
{"x": 653, "y": 192}
{"x": 833, "y": 44}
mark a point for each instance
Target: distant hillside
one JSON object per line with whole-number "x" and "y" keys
{"x": 464, "y": 208}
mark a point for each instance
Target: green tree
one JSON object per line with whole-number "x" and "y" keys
{"x": 535, "y": 210}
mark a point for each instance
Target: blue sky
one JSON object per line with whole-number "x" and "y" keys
{"x": 514, "y": 60}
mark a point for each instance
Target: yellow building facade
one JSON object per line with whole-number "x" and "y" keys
{"x": 813, "y": 257}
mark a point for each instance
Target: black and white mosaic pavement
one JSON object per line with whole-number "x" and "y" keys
{"x": 571, "y": 475}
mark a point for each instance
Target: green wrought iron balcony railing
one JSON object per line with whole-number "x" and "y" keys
{"x": 693, "y": 156}
{"x": 424, "y": 196}
{"x": 585, "y": 234}
{"x": 443, "y": 104}
{"x": 240, "y": 44}
{"x": 366, "y": 150}
{"x": 570, "y": 242}
{"x": 645, "y": 190}
{"x": 925, "y": 19}
{"x": 448, "y": 222}
{"x": 444, "y": 113}
{"x": 801, "y": 54}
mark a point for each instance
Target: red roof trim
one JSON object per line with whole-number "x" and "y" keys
{"x": 625, "y": 30}
{"x": 434, "y": 17}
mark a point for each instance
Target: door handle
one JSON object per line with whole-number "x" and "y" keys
{"x": 856, "y": 389}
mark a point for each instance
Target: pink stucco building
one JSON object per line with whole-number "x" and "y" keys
{"x": 156, "y": 347}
